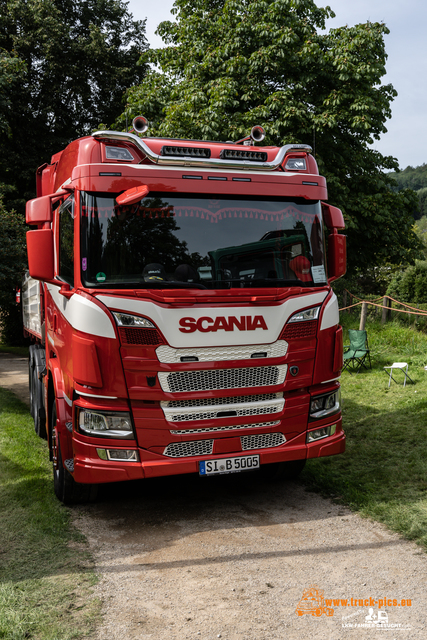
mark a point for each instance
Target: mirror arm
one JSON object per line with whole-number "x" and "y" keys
{"x": 65, "y": 290}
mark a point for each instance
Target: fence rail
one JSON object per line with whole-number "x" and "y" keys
{"x": 386, "y": 307}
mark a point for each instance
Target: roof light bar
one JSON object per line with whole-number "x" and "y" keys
{"x": 192, "y": 152}
{"x": 200, "y": 161}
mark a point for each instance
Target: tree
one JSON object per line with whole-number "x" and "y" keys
{"x": 231, "y": 64}
{"x": 13, "y": 261}
{"x": 80, "y": 56}
{"x": 11, "y": 73}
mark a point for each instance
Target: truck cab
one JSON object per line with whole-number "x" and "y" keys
{"x": 183, "y": 318}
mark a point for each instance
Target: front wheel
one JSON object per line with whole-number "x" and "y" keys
{"x": 66, "y": 489}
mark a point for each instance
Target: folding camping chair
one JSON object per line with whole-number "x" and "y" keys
{"x": 357, "y": 354}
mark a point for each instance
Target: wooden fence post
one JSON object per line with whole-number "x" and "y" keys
{"x": 386, "y": 314}
{"x": 385, "y": 310}
{"x": 363, "y": 315}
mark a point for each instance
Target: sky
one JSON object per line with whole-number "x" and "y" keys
{"x": 406, "y": 45}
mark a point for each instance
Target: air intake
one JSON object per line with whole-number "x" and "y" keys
{"x": 189, "y": 152}
{"x": 243, "y": 154}
{"x": 299, "y": 330}
{"x": 134, "y": 336}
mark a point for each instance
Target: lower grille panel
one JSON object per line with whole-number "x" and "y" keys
{"x": 205, "y": 447}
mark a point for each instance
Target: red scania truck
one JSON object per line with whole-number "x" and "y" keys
{"x": 180, "y": 304}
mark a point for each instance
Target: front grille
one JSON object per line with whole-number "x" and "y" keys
{"x": 205, "y": 447}
{"x": 131, "y": 335}
{"x": 217, "y": 379}
{"x": 262, "y": 441}
{"x": 257, "y": 425}
{"x": 229, "y": 410}
{"x": 169, "y": 355}
{"x": 185, "y": 449}
{"x": 297, "y": 330}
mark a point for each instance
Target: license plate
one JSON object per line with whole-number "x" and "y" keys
{"x": 228, "y": 465}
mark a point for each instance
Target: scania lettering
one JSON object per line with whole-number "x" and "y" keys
{"x": 180, "y": 307}
{"x": 205, "y": 324}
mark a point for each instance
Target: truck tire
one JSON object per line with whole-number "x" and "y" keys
{"x": 37, "y": 365}
{"x": 66, "y": 489}
{"x": 283, "y": 470}
{"x": 31, "y": 378}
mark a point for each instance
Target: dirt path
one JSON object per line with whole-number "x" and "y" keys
{"x": 229, "y": 557}
{"x": 14, "y": 375}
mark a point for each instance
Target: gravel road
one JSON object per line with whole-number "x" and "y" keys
{"x": 230, "y": 557}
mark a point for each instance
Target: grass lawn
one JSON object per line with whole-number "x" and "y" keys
{"x": 45, "y": 570}
{"x": 383, "y": 473}
{"x": 17, "y": 351}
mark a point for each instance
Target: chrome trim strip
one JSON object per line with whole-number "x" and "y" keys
{"x": 170, "y": 355}
{"x": 93, "y": 395}
{"x": 210, "y": 412}
{"x": 213, "y": 430}
{"x": 67, "y": 400}
{"x": 200, "y": 162}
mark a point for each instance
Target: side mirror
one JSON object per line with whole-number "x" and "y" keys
{"x": 130, "y": 196}
{"x": 40, "y": 254}
{"x": 337, "y": 256}
{"x": 332, "y": 216}
{"x": 39, "y": 210}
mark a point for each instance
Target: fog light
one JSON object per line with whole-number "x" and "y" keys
{"x": 128, "y": 455}
{"x": 319, "y": 434}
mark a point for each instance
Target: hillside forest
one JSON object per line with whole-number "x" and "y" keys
{"x": 415, "y": 178}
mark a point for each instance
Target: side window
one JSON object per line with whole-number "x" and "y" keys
{"x": 66, "y": 241}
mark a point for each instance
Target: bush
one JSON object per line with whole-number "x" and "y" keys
{"x": 410, "y": 285}
{"x": 13, "y": 263}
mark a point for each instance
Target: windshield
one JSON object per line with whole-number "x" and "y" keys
{"x": 187, "y": 240}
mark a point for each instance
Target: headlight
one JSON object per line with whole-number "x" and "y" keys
{"x": 127, "y": 320}
{"x": 105, "y": 424}
{"x": 307, "y": 314}
{"x": 325, "y": 405}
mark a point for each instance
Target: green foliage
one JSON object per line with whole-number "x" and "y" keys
{"x": 13, "y": 261}
{"x": 410, "y": 285}
{"x": 366, "y": 284}
{"x": 421, "y": 231}
{"x": 415, "y": 179}
{"x": 11, "y": 72}
{"x": 411, "y": 178}
{"x": 75, "y": 60}
{"x": 13, "y": 254}
{"x": 385, "y": 430}
{"x": 45, "y": 573}
{"x": 422, "y": 203}
{"x": 235, "y": 63}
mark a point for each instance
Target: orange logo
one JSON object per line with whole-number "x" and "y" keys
{"x": 313, "y": 603}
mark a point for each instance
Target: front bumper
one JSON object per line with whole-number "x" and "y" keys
{"x": 90, "y": 469}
